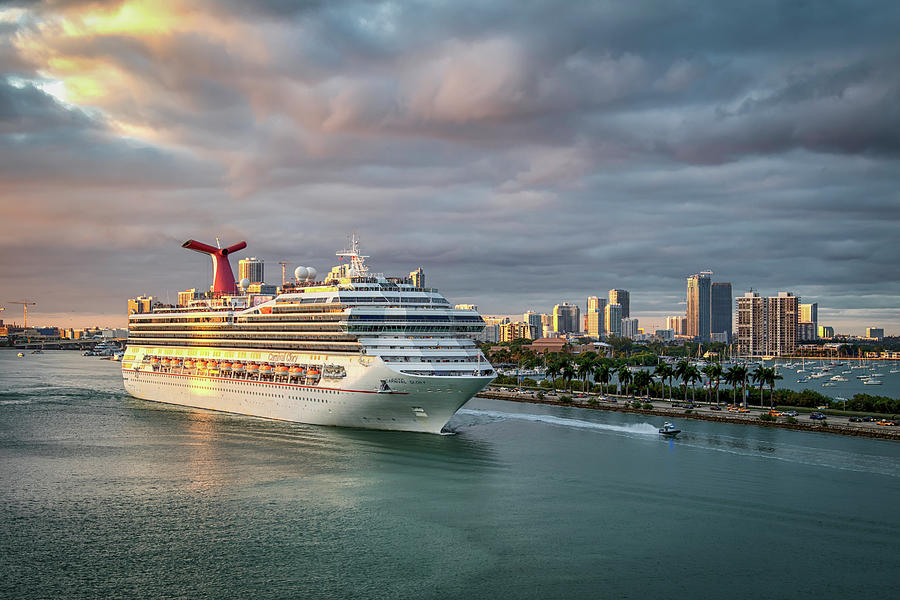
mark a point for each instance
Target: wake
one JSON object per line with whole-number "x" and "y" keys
{"x": 638, "y": 428}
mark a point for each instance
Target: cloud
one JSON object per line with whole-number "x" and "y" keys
{"x": 523, "y": 153}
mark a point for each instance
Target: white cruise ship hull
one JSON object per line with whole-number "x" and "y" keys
{"x": 358, "y": 399}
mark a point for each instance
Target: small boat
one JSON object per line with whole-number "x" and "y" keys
{"x": 828, "y": 384}
{"x": 839, "y": 378}
{"x": 669, "y": 430}
{"x": 872, "y": 382}
{"x": 21, "y": 355}
{"x": 38, "y": 351}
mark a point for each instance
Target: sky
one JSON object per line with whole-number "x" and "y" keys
{"x": 523, "y": 153}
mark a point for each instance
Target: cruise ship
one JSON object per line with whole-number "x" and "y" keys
{"x": 356, "y": 349}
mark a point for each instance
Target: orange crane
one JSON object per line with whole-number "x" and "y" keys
{"x": 25, "y": 305}
{"x": 283, "y": 265}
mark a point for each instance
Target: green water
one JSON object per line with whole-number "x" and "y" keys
{"x": 102, "y": 495}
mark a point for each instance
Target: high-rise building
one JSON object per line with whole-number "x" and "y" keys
{"x": 767, "y": 326}
{"x": 252, "y": 269}
{"x": 806, "y": 332}
{"x": 698, "y": 309}
{"x": 141, "y": 305}
{"x": 185, "y": 297}
{"x": 720, "y": 310}
{"x": 826, "y": 332}
{"x": 677, "y": 324}
{"x": 534, "y": 322}
{"x": 417, "y": 277}
{"x": 614, "y": 319}
{"x": 751, "y": 324}
{"x": 629, "y": 327}
{"x": 809, "y": 313}
{"x": 566, "y": 318}
{"x": 781, "y": 331}
{"x": 595, "y": 317}
{"x": 875, "y": 332}
{"x": 623, "y": 299}
{"x": 514, "y": 331}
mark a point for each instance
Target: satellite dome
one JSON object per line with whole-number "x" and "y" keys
{"x": 300, "y": 273}
{"x": 311, "y": 273}
{"x": 244, "y": 283}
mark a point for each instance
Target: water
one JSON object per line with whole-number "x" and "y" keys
{"x": 102, "y": 495}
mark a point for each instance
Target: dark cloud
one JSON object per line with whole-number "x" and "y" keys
{"x": 523, "y": 153}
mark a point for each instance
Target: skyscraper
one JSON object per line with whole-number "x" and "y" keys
{"x": 252, "y": 269}
{"x": 720, "y": 309}
{"x": 629, "y": 327}
{"x": 677, "y": 324}
{"x": 566, "y": 318}
{"x": 534, "y": 322}
{"x": 807, "y": 328}
{"x": 698, "y": 309}
{"x": 751, "y": 324}
{"x": 418, "y": 277}
{"x": 596, "y": 317}
{"x": 623, "y": 299}
{"x": 614, "y": 319}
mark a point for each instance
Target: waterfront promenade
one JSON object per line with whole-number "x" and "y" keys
{"x": 664, "y": 408}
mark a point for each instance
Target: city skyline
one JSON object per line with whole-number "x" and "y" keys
{"x": 523, "y": 155}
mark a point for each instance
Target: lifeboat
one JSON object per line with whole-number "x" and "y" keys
{"x": 165, "y": 362}
{"x": 265, "y": 369}
{"x": 154, "y": 361}
{"x": 188, "y": 364}
{"x": 237, "y": 367}
{"x": 253, "y": 368}
{"x": 201, "y": 364}
{"x": 225, "y": 366}
{"x": 296, "y": 371}
{"x": 174, "y": 363}
{"x": 281, "y": 370}
{"x": 313, "y": 373}
{"x": 211, "y": 364}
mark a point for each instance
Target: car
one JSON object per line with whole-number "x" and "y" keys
{"x": 775, "y": 413}
{"x": 714, "y": 407}
{"x": 817, "y": 416}
{"x": 743, "y": 410}
{"x": 869, "y": 419}
{"x": 887, "y": 423}
{"x": 791, "y": 413}
{"x": 855, "y": 420}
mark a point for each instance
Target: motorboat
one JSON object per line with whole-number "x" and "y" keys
{"x": 21, "y": 355}
{"x": 669, "y": 430}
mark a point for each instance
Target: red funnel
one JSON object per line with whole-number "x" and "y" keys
{"x": 223, "y": 276}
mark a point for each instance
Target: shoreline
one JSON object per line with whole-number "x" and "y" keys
{"x": 702, "y": 413}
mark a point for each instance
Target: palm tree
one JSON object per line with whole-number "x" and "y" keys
{"x": 568, "y": 373}
{"x": 602, "y": 373}
{"x": 693, "y": 375}
{"x": 643, "y": 379}
{"x": 759, "y": 376}
{"x": 665, "y": 372}
{"x": 554, "y": 367}
{"x": 624, "y": 377}
{"x": 714, "y": 372}
{"x": 743, "y": 372}
{"x": 586, "y": 364}
{"x": 772, "y": 376}
{"x": 732, "y": 377}
{"x": 681, "y": 371}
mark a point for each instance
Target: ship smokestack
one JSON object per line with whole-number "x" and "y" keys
{"x": 223, "y": 276}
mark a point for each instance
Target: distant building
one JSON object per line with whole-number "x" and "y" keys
{"x": 534, "y": 323}
{"x": 623, "y": 299}
{"x": 875, "y": 333}
{"x": 262, "y": 288}
{"x": 515, "y": 331}
{"x": 826, "y": 332}
{"x": 666, "y": 335}
{"x": 545, "y": 345}
{"x": 141, "y": 305}
{"x": 614, "y": 319}
{"x": 187, "y": 296}
{"x": 252, "y": 269}
{"x": 629, "y": 328}
{"x": 767, "y": 326}
{"x": 721, "y": 338}
{"x": 466, "y": 307}
{"x": 677, "y": 324}
{"x": 698, "y": 306}
{"x": 566, "y": 318}
{"x": 806, "y": 332}
{"x": 809, "y": 313}
{"x": 417, "y": 277}
{"x": 720, "y": 311}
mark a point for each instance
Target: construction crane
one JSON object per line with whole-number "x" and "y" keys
{"x": 283, "y": 265}
{"x": 25, "y": 304}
